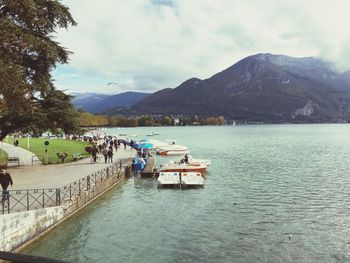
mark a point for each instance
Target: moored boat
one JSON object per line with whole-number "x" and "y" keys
{"x": 152, "y": 134}
{"x": 191, "y": 160}
{"x": 183, "y": 167}
{"x": 158, "y": 144}
{"x": 173, "y": 150}
{"x": 169, "y": 179}
{"x": 192, "y": 179}
{"x": 184, "y": 179}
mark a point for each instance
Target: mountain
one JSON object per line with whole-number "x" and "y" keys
{"x": 97, "y": 103}
{"x": 83, "y": 100}
{"x": 262, "y": 87}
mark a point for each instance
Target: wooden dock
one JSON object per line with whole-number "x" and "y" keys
{"x": 149, "y": 170}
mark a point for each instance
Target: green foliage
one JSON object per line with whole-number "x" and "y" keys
{"x": 91, "y": 120}
{"x": 145, "y": 120}
{"x": 3, "y": 159}
{"x": 213, "y": 121}
{"x": 166, "y": 121}
{"x": 28, "y": 99}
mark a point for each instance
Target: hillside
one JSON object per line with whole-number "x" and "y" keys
{"x": 97, "y": 103}
{"x": 262, "y": 87}
{"x": 83, "y": 100}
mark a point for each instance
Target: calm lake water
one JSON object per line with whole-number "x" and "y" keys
{"x": 266, "y": 182}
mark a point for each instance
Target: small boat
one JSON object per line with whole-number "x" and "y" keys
{"x": 158, "y": 144}
{"x": 192, "y": 179}
{"x": 191, "y": 160}
{"x": 187, "y": 179}
{"x": 152, "y": 134}
{"x": 173, "y": 149}
{"x": 169, "y": 179}
{"x": 183, "y": 167}
{"x": 172, "y": 152}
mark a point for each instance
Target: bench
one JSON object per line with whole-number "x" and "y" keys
{"x": 13, "y": 159}
{"x": 77, "y": 156}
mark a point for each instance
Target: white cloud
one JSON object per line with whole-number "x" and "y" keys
{"x": 148, "y": 45}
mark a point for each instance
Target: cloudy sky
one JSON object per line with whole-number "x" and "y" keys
{"x": 148, "y": 45}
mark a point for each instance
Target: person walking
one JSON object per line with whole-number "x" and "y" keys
{"x": 105, "y": 154}
{"x": 94, "y": 152}
{"x": 110, "y": 155}
{"x": 5, "y": 179}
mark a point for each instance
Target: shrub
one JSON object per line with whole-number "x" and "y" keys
{"x": 88, "y": 149}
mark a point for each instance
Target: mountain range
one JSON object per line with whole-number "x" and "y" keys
{"x": 261, "y": 87}
{"x": 98, "y": 103}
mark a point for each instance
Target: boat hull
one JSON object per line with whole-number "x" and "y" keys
{"x": 188, "y": 168}
{"x": 173, "y": 152}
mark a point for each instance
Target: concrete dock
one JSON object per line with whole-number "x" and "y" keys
{"x": 149, "y": 170}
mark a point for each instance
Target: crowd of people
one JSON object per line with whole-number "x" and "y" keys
{"x": 107, "y": 147}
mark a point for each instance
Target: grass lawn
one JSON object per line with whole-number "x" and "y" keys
{"x": 37, "y": 146}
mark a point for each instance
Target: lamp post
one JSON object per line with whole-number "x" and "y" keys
{"x": 28, "y": 141}
{"x": 46, "y": 153}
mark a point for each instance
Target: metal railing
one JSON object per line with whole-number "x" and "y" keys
{"x": 30, "y": 199}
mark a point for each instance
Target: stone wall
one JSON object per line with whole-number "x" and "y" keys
{"x": 17, "y": 228}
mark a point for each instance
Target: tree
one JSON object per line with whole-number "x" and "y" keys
{"x": 28, "y": 54}
{"x": 166, "y": 121}
{"x": 145, "y": 120}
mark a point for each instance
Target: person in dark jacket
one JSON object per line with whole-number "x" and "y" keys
{"x": 110, "y": 155}
{"x": 94, "y": 152}
{"x": 105, "y": 154}
{"x": 5, "y": 179}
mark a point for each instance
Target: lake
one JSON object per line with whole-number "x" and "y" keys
{"x": 274, "y": 193}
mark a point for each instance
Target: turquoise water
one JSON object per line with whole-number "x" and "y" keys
{"x": 266, "y": 183}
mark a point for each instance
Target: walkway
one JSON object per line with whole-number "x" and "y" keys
{"x": 25, "y": 156}
{"x": 58, "y": 175}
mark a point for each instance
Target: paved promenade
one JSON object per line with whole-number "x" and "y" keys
{"x": 57, "y": 175}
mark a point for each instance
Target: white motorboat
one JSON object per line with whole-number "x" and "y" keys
{"x": 182, "y": 167}
{"x": 158, "y": 144}
{"x": 173, "y": 149}
{"x": 191, "y": 160}
{"x": 152, "y": 134}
